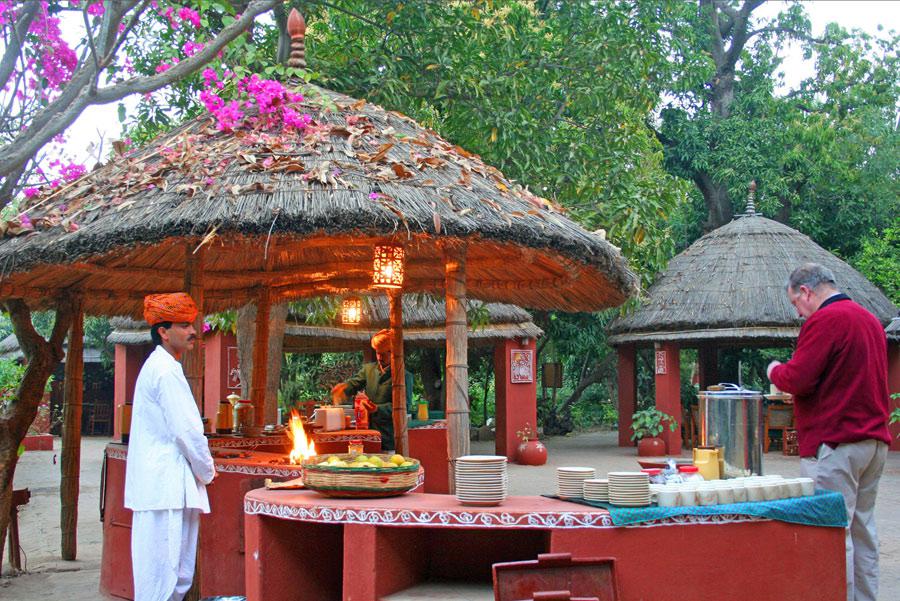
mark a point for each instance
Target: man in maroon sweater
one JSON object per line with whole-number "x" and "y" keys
{"x": 838, "y": 376}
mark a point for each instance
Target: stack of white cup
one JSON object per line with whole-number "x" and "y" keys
{"x": 736, "y": 490}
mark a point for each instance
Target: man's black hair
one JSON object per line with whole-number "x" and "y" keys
{"x": 154, "y": 332}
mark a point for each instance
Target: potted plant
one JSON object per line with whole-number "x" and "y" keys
{"x": 647, "y": 425}
{"x": 531, "y": 451}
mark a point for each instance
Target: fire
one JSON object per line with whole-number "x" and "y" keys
{"x": 303, "y": 448}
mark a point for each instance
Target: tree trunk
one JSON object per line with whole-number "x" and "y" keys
{"x": 718, "y": 202}
{"x": 560, "y": 420}
{"x": 457, "y": 369}
{"x": 41, "y": 357}
{"x": 398, "y": 373}
{"x": 70, "y": 465}
{"x": 246, "y": 337}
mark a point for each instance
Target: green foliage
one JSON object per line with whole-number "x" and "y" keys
{"x": 11, "y": 374}
{"x": 879, "y": 261}
{"x": 650, "y": 423}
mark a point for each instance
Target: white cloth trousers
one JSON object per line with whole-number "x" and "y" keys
{"x": 163, "y": 553}
{"x": 854, "y": 469}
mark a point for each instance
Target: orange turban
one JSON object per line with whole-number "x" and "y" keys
{"x": 177, "y": 307}
{"x": 382, "y": 341}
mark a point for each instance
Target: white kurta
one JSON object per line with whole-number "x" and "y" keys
{"x": 168, "y": 467}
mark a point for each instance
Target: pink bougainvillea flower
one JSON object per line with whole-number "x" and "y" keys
{"x": 31, "y": 192}
{"x": 189, "y": 15}
{"x": 96, "y": 9}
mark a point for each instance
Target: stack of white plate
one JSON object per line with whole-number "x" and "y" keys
{"x": 570, "y": 481}
{"x": 481, "y": 480}
{"x": 629, "y": 489}
{"x": 596, "y": 490}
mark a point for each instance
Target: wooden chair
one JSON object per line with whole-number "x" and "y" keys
{"x": 779, "y": 417}
{"x": 102, "y": 416}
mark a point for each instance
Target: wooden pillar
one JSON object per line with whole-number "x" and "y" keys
{"x": 708, "y": 363}
{"x": 457, "y": 367}
{"x": 194, "y": 359}
{"x": 627, "y": 379}
{"x": 260, "y": 357}
{"x": 398, "y": 372}
{"x": 70, "y": 466}
{"x": 668, "y": 391}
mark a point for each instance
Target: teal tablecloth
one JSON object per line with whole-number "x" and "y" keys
{"x": 825, "y": 508}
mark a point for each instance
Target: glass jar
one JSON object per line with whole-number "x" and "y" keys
{"x": 355, "y": 447}
{"x": 655, "y": 474}
{"x": 690, "y": 473}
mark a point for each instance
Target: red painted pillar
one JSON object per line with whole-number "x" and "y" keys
{"x": 515, "y": 383}
{"x": 668, "y": 391}
{"x": 893, "y": 388}
{"x": 222, "y": 374}
{"x": 627, "y": 378}
{"x": 129, "y": 358}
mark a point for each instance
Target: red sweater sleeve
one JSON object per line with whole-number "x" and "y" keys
{"x": 802, "y": 374}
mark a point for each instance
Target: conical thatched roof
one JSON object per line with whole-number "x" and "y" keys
{"x": 11, "y": 351}
{"x": 301, "y": 213}
{"x": 729, "y": 286}
{"x": 423, "y": 325}
{"x": 893, "y": 330}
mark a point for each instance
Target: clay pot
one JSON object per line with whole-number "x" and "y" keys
{"x": 651, "y": 447}
{"x": 532, "y": 452}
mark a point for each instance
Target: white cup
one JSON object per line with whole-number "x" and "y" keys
{"x": 807, "y": 486}
{"x": 706, "y": 495}
{"x": 755, "y": 492}
{"x": 725, "y": 494}
{"x": 794, "y": 489}
{"x": 668, "y": 497}
{"x": 740, "y": 493}
{"x": 770, "y": 491}
{"x": 687, "y": 496}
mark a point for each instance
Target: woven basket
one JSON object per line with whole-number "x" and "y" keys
{"x": 359, "y": 482}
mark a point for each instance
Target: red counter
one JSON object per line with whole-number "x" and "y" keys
{"x": 429, "y": 444}
{"x": 303, "y": 546}
{"x": 221, "y": 548}
{"x": 336, "y": 441}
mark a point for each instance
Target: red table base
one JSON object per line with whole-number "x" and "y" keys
{"x": 338, "y": 440}
{"x": 302, "y": 546}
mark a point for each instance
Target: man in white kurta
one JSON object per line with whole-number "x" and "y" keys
{"x": 169, "y": 463}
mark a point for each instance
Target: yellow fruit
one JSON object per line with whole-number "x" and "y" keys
{"x": 406, "y": 464}
{"x": 324, "y": 463}
{"x": 362, "y": 458}
{"x": 397, "y": 459}
{"x": 333, "y": 459}
{"x": 376, "y": 461}
{"x": 339, "y": 463}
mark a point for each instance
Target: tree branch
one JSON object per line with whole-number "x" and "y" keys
{"x": 23, "y": 21}
{"x": 57, "y": 119}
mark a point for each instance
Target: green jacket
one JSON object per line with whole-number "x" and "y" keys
{"x": 378, "y": 387}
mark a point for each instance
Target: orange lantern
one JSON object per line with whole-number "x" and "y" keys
{"x": 351, "y": 311}
{"x": 388, "y": 266}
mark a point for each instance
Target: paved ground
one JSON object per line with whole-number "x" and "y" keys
{"x": 48, "y": 577}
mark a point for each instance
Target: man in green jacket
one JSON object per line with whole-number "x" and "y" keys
{"x": 375, "y": 379}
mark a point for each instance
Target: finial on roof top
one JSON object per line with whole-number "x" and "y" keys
{"x": 296, "y": 27}
{"x": 751, "y": 197}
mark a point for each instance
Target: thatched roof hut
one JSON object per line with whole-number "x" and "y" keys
{"x": 893, "y": 330}
{"x": 299, "y": 213}
{"x": 423, "y": 326}
{"x": 729, "y": 287}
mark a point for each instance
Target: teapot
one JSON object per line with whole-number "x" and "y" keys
{"x": 708, "y": 459}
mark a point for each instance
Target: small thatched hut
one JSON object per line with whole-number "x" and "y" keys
{"x": 726, "y": 289}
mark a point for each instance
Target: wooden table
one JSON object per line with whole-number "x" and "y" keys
{"x": 303, "y": 546}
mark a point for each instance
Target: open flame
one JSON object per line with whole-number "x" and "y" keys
{"x": 303, "y": 448}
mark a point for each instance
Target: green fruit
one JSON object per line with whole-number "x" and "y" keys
{"x": 361, "y": 458}
{"x": 376, "y": 461}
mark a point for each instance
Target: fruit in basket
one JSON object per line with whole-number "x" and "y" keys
{"x": 397, "y": 459}
{"x": 333, "y": 459}
{"x": 376, "y": 461}
{"x": 406, "y": 464}
{"x": 360, "y": 458}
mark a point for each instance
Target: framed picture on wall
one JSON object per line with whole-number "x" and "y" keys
{"x": 521, "y": 363}
{"x": 234, "y": 370}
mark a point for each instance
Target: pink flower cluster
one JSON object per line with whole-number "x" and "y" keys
{"x": 270, "y": 97}
{"x": 96, "y": 9}
{"x": 55, "y": 61}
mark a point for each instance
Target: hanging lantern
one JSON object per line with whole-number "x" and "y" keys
{"x": 351, "y": 311}
{"x": 388, "y": 266}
